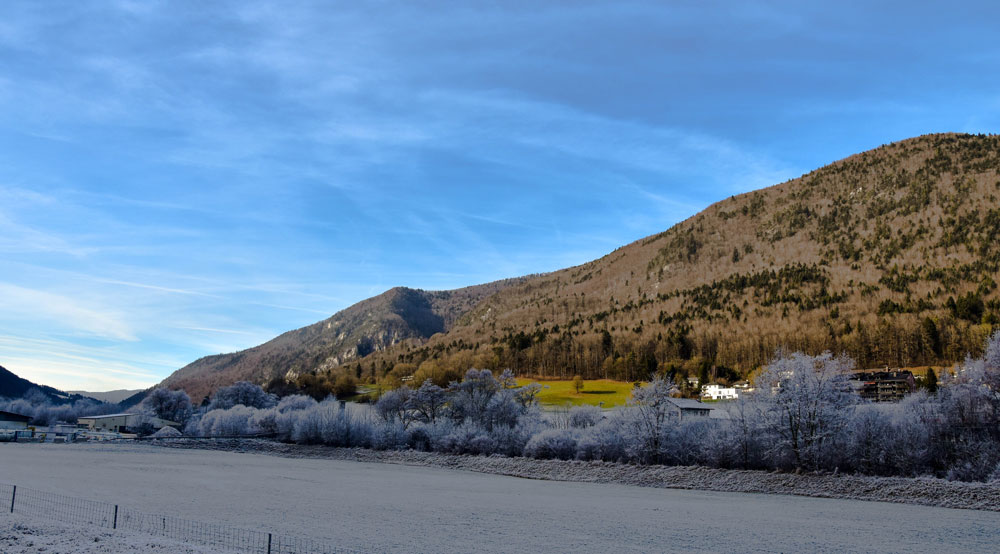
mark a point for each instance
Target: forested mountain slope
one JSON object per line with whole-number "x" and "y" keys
{"x": 12, "y": 386}
{"x": 890, "y": 256}
{"x": 369, "y": 326}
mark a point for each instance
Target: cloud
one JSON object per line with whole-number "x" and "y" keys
{"x": 63, "y": 312}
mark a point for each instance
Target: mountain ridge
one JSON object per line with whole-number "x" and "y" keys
{"x": 397, "y": 315}
{"x": 886, "y": 255}
{"x": 12, "y": 387}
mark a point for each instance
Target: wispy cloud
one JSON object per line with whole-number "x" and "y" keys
{"x": 201, "y": 179}
{"x": 64, "y": 312}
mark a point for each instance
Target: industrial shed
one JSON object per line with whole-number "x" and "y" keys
{"x": 122, "y": 423}
{"x": 12, "y": 421}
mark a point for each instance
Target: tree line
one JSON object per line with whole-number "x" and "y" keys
{"x": 804, "y": 414}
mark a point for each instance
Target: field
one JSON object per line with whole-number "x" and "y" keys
{"x": 601, "y": 392}
{"x": 376, "y": 507}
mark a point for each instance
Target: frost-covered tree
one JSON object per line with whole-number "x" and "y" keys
{"x": 746, "y": 428}
{"x": 648, "y": 418}
{"x": 393, "y": 407}
{"x": 428, "y": 402}
{"x": 172, "y": 405}
{"x": 807, "y": 401}
{"x": 330, "y": 423}
{"x": 471, "y": 397}
{"x": 242, "y": 393}
{"x": 584, "y": 416}
{"x": 991, "y": 357}
{"x": 870, "y": 442}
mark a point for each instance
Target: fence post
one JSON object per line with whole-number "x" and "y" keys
{"x": 269, "y": 543}
{"x": 13, "y": 495}
{"x": 114, "y": 524}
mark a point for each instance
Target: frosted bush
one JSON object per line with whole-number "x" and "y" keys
{"x": 242, "y": 393}
{"x": 284, "y": 425}
{"x": 510, "y": 441}
{"x": 295, "y": 402}
{"x": 389, "y": 436}
{"x": 193, "y": 426}
{"x": 553, "y": 444}
{"x": 870, "y": 443}
{"x": 235, "y": 421}
{"x": 604, "y": 441}
{"x": 468, "y": 438}
{"x": 584, "y": 416}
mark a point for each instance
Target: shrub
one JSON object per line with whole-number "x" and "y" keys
{"x": 603, "y": 442}
{"x": 242, "y": 393}
{"x": 584, "y": 416}
{"x": 553, "y": 444}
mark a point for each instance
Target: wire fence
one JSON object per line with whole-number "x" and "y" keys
{"x": 80, "y": 511}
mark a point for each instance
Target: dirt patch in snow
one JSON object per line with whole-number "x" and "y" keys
{"x": 925, "y": 491}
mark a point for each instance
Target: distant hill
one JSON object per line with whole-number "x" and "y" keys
{"x": 890, "y": 256}
{"x": 396, "y": 316}
{"x": 12, "y": 386}
{"x": 111, "y": 397}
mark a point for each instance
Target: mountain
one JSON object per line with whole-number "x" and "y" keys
{"x": 889, "y": 256}
{"x": 111, "y": 397}
{"x": 12, "y": 386}
{"x": 398, "y": 315}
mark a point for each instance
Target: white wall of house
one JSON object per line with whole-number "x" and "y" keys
{"x": 718, "y": 392}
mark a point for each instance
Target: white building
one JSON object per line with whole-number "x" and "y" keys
{"x": 718, "y": 392}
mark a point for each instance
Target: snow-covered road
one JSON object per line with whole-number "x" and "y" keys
{"x": 386, "y": 507}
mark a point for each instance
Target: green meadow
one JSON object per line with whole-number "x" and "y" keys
{"x": 594, "y": 393}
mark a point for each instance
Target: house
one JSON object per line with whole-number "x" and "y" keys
{"x": 12, "y": 421}
{"x": 687, "y": 409}
{"x": 718, "y": 392}
{"x": 884, "y": 386}
{"x": 122, "y": 423}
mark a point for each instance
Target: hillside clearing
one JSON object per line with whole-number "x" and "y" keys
{"x": 598, "y": 392}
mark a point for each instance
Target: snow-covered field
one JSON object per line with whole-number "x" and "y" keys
{"x": 400, "y": 508}
{"x": 23, "y": 535}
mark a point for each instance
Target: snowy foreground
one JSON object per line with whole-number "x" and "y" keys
{"x": 22, "y": 535}
{"x": 389, "y": 507}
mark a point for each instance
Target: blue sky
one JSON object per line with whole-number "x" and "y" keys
{"x": 188, "y": 178}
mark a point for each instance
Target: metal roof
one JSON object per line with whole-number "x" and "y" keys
{"x": 688, "y": 404}
{"x": 11, "y": 416}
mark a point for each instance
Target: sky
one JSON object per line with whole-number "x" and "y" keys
{"x": 180, "y": 179}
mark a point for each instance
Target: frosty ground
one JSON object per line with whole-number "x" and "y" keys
{"x": 404, "y": 508}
